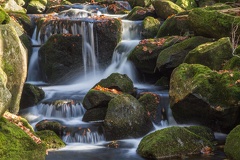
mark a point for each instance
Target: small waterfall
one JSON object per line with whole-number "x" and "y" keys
{"x": 34, "y": 70}
{"x": 131, "y": 30}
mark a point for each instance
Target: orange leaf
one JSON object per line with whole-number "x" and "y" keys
{"x": 144, "y": 48}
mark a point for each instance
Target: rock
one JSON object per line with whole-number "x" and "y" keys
{"x": 120, "y": 82}
{"x": 50, "y": 139}
{"x": 212, "y": 54}
{"x": 212, "y": 23}
{"x": 218, "y": 6}
{"x": 21, "y": 145}
{"x": 199, "y": 85}
{"x": 175, "y": 25}
{"x": 4, "y": 17}
{"x": 142, "y": 3}
{"x": 183, "y": 142}
{"x": 166, "y": 8}
{"x": 50, "y": 125}
{"x": 12, "y": 6}
{"x": 232, "y": 64}
{"x": 150, "y": 102}
{"x": 36, "y": 7}
{"x": 14, "y": 64}
{"x": 150, "y": 27}
{"x": 187, "y": 4}
{"x": 95, "y": 114}
{"x": 119, "y": 7}
{"x": 126, "y": 118}
{"x": 202, "y": 131}
{"x": 171, "y": 57}
{"x": 139, "y": 13}
{"x": 231, "y": 148}
{"x": 144, "y": 55}
{"x": 31, "y": 95}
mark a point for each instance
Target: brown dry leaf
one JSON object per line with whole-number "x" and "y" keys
{"x": 145, "y": 48}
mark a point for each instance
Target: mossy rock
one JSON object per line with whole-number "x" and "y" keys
{"x": 12, "y": 6}
{"x": 120, "y": 82}
{"x": 50, "y": 139}
{"x": 95, "y": 114}
{"x": 172, "y": 142}
{"x": 212, "y": 54}
{"x": 166, "y": 8}
{"x": 215, "y": 96}
{"x": 126, "y": 118}
{"x": 15, "y": 144}
{"x": 138, "y": 13}
{"x": 218, "y": 6}
{"x": 187, "y": 4}
{"x": 175, "y": 25}
{"x": 173, "y": 56}
{"x": 150, "y": 102}
{"x": 142, "y": 3}
{"x": 31, "y": 95}
{"x": 232, "y": 64}
{"x": 50, "y": 125}
{"x": 212, "y": 23}
{"x": 4, "y": 17}
{"x": 150, "y": 27}
{"x": 36, "y": 6}
{"x": 144, "y": 55}
{"x": 232, "y": 145}
{"x": 202, "y": 131}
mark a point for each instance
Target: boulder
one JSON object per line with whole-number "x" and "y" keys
{"x": 12, "y": 6}
{"x": 50, "y": 125}
{"x": 142, "y": 3}
{"x": 50, "y": 139}
{"x": 4, "y": 17}
{"x": 36, "y": 6}
{"x": 212, "y": 23}
{"x": 16, "y": 144}
{"x": 150, "y": 27}
{"x": 172, "y": 142}
{"x": 232, "y": 148}
{"x": 212, "y": 54}
{"x": 14, "y": 64}
{"x": 175, "y": 25}
{"x": 166, "y": 8}
{"x": 120, "y": 82}
{"x": 199, "y": 95}
{"x": 232, "y": 64}
{"x": 139, "y": 13}
{"x": 202, "y": 131}
{"x": 119, "y": 7}
{"x": 126, "y": 118}
{"x": 95, "y": 114}
{"x": 173, "y": 56}
{"x": 187, "y": 4}
{"x": 31, "y": 95}
{"x": 144, "y": 55}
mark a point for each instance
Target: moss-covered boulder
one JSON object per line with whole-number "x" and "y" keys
{"x": 173, "y": 56}
{"x": 36, "y": 6}
{"x": 13, "y": 61}
{"x": 150, "y": 102}
{"x": 144, "y": 55}
{"x": 139, "y": 13}
{"x": 175, "y": 25}
{"x": 172, "y": 142}
{"x": 31, "y": 95}
{"x": 202, "y": 131}
{"x": 212, "y": 23}
{"x": 142, "y": 3}
{"x": 118, "y": 7}
{"x": 50, "y": 125}
{"x": 202, "y": 96}
{"x": 218, "y": 6}
{"x": 166, "y": 8}
{"x": 50, "y": 139}
{"x": 212, "y": 54}
{"x": 95, "y": 114}
{"x": 187, "y": 4}
{"x": 12, "y": 6}
{"x": 231, "y": 148}
{"x": 150, "y": 27}
{"x": 61, "y": 54}
{"x": 16, "y": 144}
{"x": 4, "y": 17}
{"x": 232, "y": 64}
{"x": 120, "y": 82}
{"x": 126, "y": 118}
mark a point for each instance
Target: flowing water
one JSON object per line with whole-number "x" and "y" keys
{"x": 84, "y": 140}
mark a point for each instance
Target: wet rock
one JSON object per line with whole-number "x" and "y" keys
{"x": 212, "y": 54}
{"x": 212, "y": 23}
{"x": 150, "y": 27}
{"x": 50, "y": 139}
{"x": 171, "y": 57}
{"x": 142, "y": 3}
{"x": 166, "y": 8}
{"x": 197, "y": 84}
{"x": 182, "y": 141}
{"x": 187, "y": 4}
{"x": 139, "y": 13}
{"x": 175, "y": 25}
{"x": 31, "y": 95}
{"x": 22, "y": 145}
{"x": 36, "y": 7}
{"x": 119, "y": 7}
{"x": 231, "y": 148}
{"x": 126, "y": 118}
{"x": 95, "y": 114}
{"x": 50, "y": 125}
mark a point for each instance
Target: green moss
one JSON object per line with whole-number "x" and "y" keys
{"x": 187, "y": 4}
{"x": 202, "y": 131}
{"x": 50, "y": 139}
{"x": 8, "y": 68}
{"x": 233, "y": 64}
{"x": 218, "y": 6}
{"x": 15, "y": 144}
{"x": 232, "y": 145}
{"x": 150, "y": 27}
{"x": 4, "y": 17}
{"x": 138, "y": 13}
